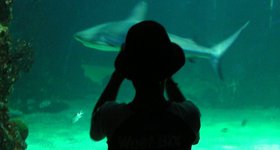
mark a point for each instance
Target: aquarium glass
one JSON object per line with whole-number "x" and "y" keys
{"x": 236, "y": 90}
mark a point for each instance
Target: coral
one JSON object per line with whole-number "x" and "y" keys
{"x": 14, "y": 58}
{"x": 5, "y": 11}
{"x": 22, "y": 127}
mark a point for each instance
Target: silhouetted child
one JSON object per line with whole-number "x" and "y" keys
{"x": 150, "y": 122}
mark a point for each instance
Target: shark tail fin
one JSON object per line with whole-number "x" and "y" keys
{"x": 139, "y": 12}
{"x": 219, "y": 49}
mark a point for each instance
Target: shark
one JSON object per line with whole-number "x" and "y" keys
{"x": 109, "y": 37}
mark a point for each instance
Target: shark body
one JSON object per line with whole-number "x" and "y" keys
{"x": 111, "y": 35}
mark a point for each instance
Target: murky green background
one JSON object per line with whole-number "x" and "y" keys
{"x": 250, "y": 67}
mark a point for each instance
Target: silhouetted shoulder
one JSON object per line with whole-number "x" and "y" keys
{"x": 189, "y": 112}
{"x": 108, "y": 117}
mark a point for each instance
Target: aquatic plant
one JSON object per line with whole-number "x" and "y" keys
{"x": 14, "y": 58}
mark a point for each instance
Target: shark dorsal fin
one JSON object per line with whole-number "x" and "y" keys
{"x": 139, "y": 12}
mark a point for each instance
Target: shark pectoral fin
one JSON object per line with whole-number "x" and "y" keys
{"x": 96, "y": 73}
{"x": 192, "y": 60}
{"x": 139, "y": 12}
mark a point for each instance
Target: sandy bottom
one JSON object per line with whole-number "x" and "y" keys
{"x": 222, "y": 129}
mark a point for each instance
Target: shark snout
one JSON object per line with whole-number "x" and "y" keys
{"x": 80, "y": 37}
{"x": 77, "y": 36}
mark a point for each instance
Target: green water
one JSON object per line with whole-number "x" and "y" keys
{"x": 67, "y": 77}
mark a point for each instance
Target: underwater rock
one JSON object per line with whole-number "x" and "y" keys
{"x": 54, "y": 107}
{"x": 22, "y": 127}
{"x": 14, "y": 113}
{"x": 14, "y": 59}
{"x": 46, "y": 106}
{"x": 5, "y": 11}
